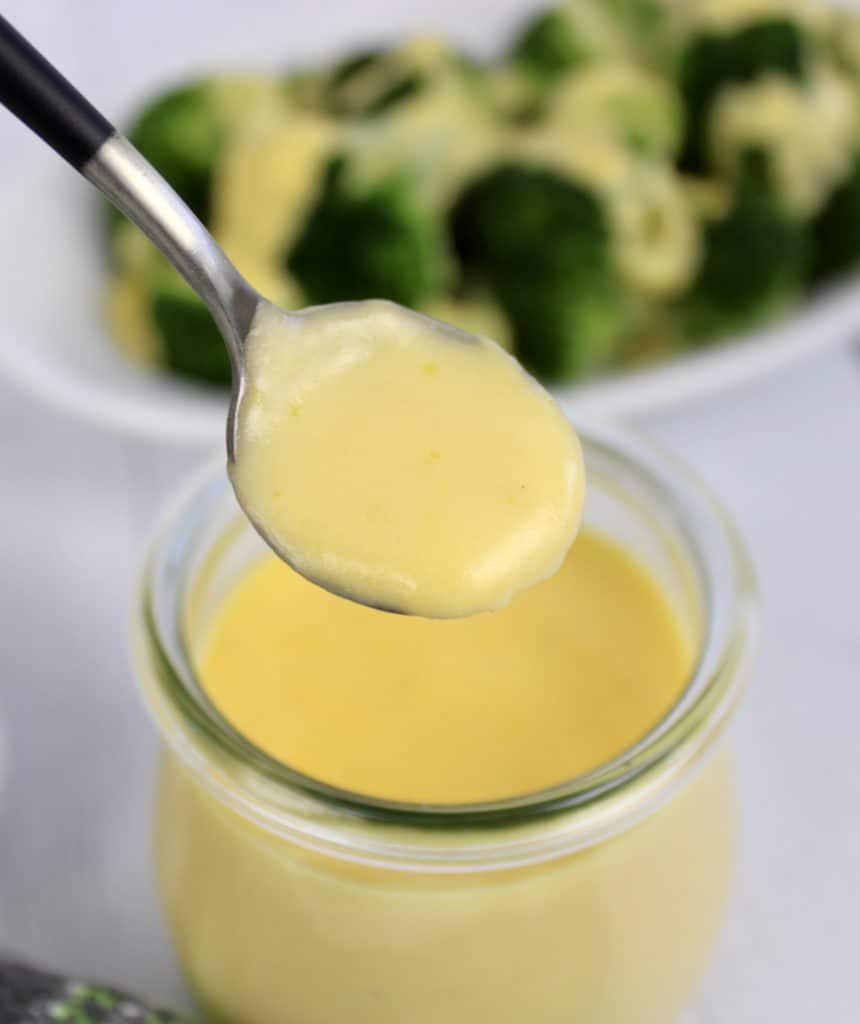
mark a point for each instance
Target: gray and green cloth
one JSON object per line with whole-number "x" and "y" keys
{"x": 31, "y": 996}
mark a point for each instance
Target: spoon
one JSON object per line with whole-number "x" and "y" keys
{"x": 534, "y": 526}
{"x": 35, "y": 92}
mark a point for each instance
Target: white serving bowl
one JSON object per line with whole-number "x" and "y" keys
{"x": 54, "y": 342}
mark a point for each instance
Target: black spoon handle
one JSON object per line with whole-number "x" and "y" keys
{"x": 37, "y": 93}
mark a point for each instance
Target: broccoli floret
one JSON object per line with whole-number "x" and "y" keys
{"x": 549, "y": 45}
{"x": 192, "y": 344}
{"x": 712, "y": 61}
{"x": 564, "y": 37}
{"x": 181, "y": 135}
{"x": 370, "y": 83}
{"x": 564, "y": 329}
{"x": 644, "y": 22}
{"x": 557, "y": 43}
{"x": 362, "y": 242}
{"x": 754, "y": 263}
{"x": 542, "y": 243}
{"x": 836, "y": 230}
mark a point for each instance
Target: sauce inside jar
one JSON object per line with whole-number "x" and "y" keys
{"x": 572, "y": 672}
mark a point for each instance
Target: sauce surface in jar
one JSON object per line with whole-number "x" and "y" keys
{"x": 571, "y": 673}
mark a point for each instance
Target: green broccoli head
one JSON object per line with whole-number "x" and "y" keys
{"x": 557, "y": 43}
{"x": 712, "y": 61}
{"x": 568, "y": 35}
{"x": 836, "y": 231}
{"x": 181, "y": 135}
{"x": 363, "y": 242}
{"x": 755, "y": 261}
{"x": 543, "y": 245}
{"x": 549, "y": 45}
{"x": 192, "y": 345}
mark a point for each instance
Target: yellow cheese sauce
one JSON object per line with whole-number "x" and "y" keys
{"x": 807, "y": 129}
{"x": 269, "y": 932}
{"x": 395, "y": 460}
{"x": 571, "y": 673}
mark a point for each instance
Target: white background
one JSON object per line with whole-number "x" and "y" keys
{"x": 783, "y": 453}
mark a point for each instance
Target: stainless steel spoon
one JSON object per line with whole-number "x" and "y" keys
{"x": 33, "y": 90}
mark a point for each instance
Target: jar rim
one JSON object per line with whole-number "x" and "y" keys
{"x": 600, "y": 801}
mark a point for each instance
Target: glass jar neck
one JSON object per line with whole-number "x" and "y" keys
{"x": 204, "y": 540}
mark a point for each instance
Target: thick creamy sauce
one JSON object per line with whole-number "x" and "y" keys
{"x": 449, "y": 712}
{"x": 618, "y": 934}
{"x": 572, "y": 671}
{"x": 394, "y": 460}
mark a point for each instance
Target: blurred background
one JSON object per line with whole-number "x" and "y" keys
{"x": 77, "y": 501}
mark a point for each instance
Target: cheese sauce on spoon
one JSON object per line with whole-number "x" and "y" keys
{"x": 397, "y": 461}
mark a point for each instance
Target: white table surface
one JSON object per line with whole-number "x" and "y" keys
{"x": 75, "y": 888}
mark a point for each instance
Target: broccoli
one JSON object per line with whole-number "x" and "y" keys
{"x": 376, "y": 81}
{"x": 836, "y": 230}
{"x": 843, "y": 42}
{"x": 556, "y": 44}
{"x": 181, "y": 135}
{"x": 564, "y": 329}
{"x": 808, "y": 131}
{"x": 549, "y": 45}
{"x": 375, "y": 241}
{"x": 543, "y": 245}
{"x": 350, "y": 67}
{"x": 754, "y": 262}
{"x": 192, "y": 343}
{"x": 712, "y": 61}
{"x": 618, "y": 99}
{"x": 567, "y": 36}
{"x": 183, "y": 132}
{"x": 370, "y": 83}
{"x": 645, "y": 24}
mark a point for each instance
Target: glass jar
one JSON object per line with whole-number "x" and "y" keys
{"x": 595, "y": 901}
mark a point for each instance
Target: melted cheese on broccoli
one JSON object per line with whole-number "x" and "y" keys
{"x": 807, "y": 132}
